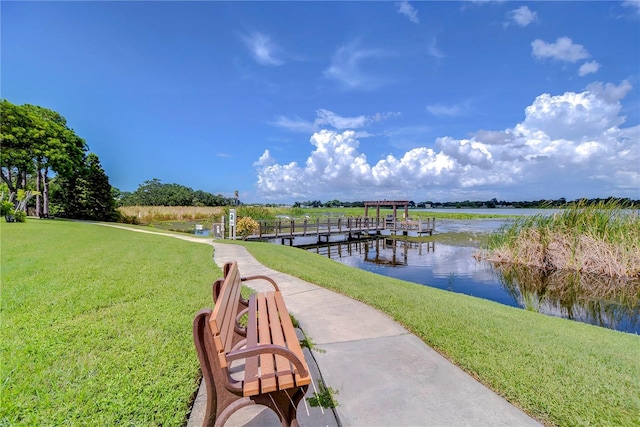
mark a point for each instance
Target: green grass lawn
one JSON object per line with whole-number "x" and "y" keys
{"x": 96, "y": 329}
{"x": 96, "y": 324}
{"x": 559, "y": 371}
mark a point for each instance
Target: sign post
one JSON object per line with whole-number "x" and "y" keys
{"x": 232, "y": 224}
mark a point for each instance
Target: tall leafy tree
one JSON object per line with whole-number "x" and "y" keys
{"x": 16, "y": 156}
{"x": 35, "y": 141}
{"x": 85, "y": 195}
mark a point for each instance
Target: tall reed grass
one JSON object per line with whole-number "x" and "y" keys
{"x": 149, "y": 214}
{"x": 601, "y": 238}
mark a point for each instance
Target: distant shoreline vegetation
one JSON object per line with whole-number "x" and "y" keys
{"x": 480, "y": 204}
{"x": 155, "y": 193}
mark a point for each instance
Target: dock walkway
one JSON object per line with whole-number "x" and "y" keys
{"x": 351, "y": 228}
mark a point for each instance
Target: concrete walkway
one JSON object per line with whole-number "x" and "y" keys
{"x": 384, "y": 375}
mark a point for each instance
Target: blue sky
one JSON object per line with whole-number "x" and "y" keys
{"x": 295, "y": 101}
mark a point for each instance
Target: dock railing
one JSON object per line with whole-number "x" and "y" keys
{"x": 325, "y": 226}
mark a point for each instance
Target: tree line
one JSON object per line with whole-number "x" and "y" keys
{"x": 44, "y": 164}
{"x": 467, "y": 204}
{"x": 154, "y": 193}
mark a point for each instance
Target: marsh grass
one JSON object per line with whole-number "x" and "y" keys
{"x": 150, "y": 214}
{"x": 96, "y": 325}
{"x": 603, "y": 238}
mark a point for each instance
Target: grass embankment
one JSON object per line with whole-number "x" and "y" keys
{"x": 561, "y": 372}
{"x": 599, "y": 239}
{"x": 96, "y": 324}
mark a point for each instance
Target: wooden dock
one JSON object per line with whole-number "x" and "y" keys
{"x": 352, "y": 228}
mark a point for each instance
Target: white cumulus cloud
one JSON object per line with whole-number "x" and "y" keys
{"x": 589, "y": 68}
{"x": 563, "y": 50}
{"x": 568, "y": 143}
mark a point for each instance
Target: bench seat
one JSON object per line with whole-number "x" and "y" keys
{"x": 260, "y": 363}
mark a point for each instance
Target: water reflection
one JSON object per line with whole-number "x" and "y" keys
{"x": 598, "y": 300}
{"x": 453, "y": 268}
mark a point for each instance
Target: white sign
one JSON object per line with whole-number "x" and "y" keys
{"x": 232, "y": 217}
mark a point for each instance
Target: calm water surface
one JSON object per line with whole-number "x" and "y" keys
{"x": 453, "y": 268}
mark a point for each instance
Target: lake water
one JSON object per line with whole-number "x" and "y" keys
{"x": 454, "y": 268}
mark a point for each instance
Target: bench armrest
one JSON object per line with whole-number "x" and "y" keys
{"x": 261, "y": 277}
{"x": 269, "y": 349}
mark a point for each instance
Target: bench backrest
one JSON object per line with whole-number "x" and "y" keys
{"x": 223, "y": 318}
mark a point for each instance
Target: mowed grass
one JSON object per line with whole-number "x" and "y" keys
{"x": 96, "y": 329}
{"x": 559, "y": 371}
{"x": 96, "y": 324}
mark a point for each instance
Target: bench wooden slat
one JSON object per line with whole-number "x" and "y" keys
{"x": 292, "y": 339}
{"x": 268, "y": 379}
{"x": 275, "y": 371}
{"x": 283, "y": 366}
{"x": 222, "y": 321}
{"x": 251, "y": 375}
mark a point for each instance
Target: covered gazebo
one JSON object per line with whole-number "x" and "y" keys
{"x": 387, "y": 203}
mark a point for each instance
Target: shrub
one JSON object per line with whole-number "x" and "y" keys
{"x": 20, "y": 216}
{"x": 128, "y": 219}
{"x": 247, "y": 226}
{"x": 6, "y": 208}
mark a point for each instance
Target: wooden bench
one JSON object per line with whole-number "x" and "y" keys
{"x": 260, "y": 363}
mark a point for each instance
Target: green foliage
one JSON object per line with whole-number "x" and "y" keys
{"x": 258, "y": 213}
{"x": 36, "y": 139}
{"x": 96, "y": 325}
{"x": 154, "y": 193}
{"x": 129, "y": 219}
{"x": 6, "y": 207}
{"x": 247, "y": 226}
{"x": 324, "y": 397}
{"x": 20, "y": 216}
{"x": 85, "y": 195}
